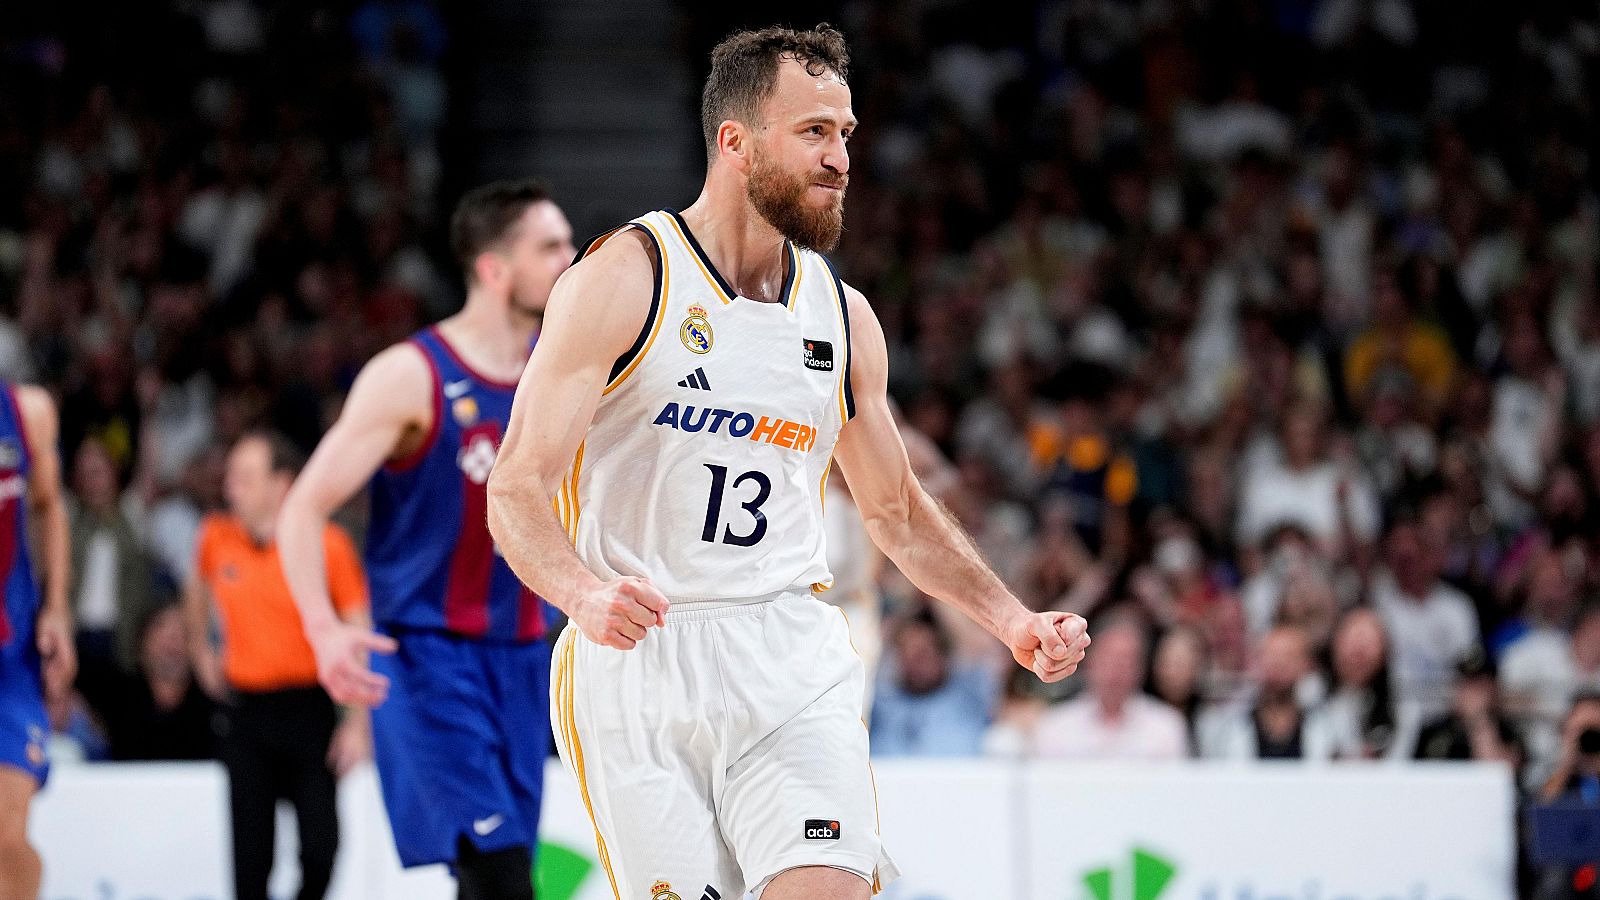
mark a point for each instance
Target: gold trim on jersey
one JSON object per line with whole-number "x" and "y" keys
{"x": 570, "y": 484}
{"x": 575, "y": 755}
{"x": 710, "y": 279}
{"x": 794, "y": 266}
{"x": 661, "y": 309}
{"x": 844, "y": 363}
{"x": 877, "y": 814}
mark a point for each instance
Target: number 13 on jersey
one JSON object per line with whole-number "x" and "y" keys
{"x": 719, "y": 484}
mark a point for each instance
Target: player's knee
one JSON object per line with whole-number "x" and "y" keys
{"x": 496, "y": 874}
{"x": 807, "y": 882}
{"x": 19, "y": 865}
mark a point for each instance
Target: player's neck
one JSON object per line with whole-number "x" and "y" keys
{"x": 491, "y": 337}
{"x": 746, "y": 250}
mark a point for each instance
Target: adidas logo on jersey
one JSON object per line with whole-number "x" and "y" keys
{"x": 781, "y": 432}
{"x": 697, "y": 380}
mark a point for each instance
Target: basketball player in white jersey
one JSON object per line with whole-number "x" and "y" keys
{"x": 662, "y": 483}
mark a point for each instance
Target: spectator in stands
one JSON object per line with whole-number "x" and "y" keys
{"x": 1399, "y": 342}
{"x": 1080, "y": 464}
{"x": 1431, "y": 625}
{"x": 1577, "y": 775}
{"x": 1575, "y": 780}
{"x": 1177, "y": 677}
{"x": 1361, "y": 714}
{"x": 1298, "y": 481}
{"x": 927, "y": 703}
{"x": 160, "y": 712}
{"x": 1474, "y": 728}
{"x": 1540, "y": 675}
{"x": 112, "y": 590}
{"x": 1112, "y": 718}
{"x": 1276, "y": 725}
{"x": 282, "y": 738}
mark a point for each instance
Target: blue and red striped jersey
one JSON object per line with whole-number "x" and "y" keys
{"x": 431, "y": 563}
{"x": 16, "y": 569}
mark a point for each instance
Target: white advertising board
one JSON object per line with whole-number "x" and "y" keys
{"x": 961, "y": 830}
{"x": 1271, "y": 832}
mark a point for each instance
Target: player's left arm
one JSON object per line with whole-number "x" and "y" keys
{"x": 918, "y": 534}
{"x": 47, "y": 508}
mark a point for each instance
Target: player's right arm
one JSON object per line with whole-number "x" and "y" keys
{"x": 595, "y": 313}
{"x": 390, "y": 404}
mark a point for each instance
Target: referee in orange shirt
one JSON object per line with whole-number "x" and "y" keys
{"x": 282, "y": 737}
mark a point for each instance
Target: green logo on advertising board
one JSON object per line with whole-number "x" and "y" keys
{"x": 1150, "y": 875}
{"x": 560, "y": 871}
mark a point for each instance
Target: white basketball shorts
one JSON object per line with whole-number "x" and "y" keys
{"x": 723, "y": 750}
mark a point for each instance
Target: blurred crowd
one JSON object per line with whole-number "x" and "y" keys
{"x": 1264, "y": 333}
{"x": 211, "y": 214}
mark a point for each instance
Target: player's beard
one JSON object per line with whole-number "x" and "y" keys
{"x": 779, "y": 198}
{"x": 523, "y": 308}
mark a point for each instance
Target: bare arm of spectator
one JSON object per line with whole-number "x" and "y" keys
{"x": 918, "y": 535}
{"x": 197, "y": 615}
{"x": 388, "y": 415}
{"x": 48, "y": 511}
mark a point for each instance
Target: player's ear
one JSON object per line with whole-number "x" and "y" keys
{"x": 733, "y": 144}
{"x": 488, "y": 269}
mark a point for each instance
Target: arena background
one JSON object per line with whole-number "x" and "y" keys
{"x": 1263, "y": 332}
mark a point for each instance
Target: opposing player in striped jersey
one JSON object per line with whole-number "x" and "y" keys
{"x": 663, "y": 483}
{"x": 36, "y": 651}
{"x": 460, "y": 688}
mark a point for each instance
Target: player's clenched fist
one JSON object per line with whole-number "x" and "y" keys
{"x": 616, "y": 613}
{"x": 1050, "y": 644}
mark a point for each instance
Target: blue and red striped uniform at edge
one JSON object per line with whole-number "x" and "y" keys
{"x": 430, "y": 560}
{"x": 22, "y": 716}
{"x": 462, "y": 738}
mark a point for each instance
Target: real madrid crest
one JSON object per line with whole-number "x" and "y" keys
{"x": 696, "y": 330}
{"x": 661, "y": 890}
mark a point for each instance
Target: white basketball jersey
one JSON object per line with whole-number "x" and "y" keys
{"x": 705, "y": 465}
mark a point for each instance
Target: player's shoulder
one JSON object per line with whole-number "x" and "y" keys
{"x": 33, "y": 401}
{"x": 627, "y": 252}
{"x": 400, "y": 375}
{"x": 603, "y": 300}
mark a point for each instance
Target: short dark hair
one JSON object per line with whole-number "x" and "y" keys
{"x": 283, "y": 456}
{"x": 487, "y": 213}
{"x": 922, "y": 616}
{"x": 744, "y": 67}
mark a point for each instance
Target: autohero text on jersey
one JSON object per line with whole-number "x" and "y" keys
{"x": 733, "y": 423}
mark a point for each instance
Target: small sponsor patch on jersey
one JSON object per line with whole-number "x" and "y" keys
{"x": 10, "y": 454}
{"x": 817, "y": 355}
{"x": 465, "y": 409}
{"x": 822, "y": 830}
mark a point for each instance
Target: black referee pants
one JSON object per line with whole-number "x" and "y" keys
{"x": 276, "y": 747}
